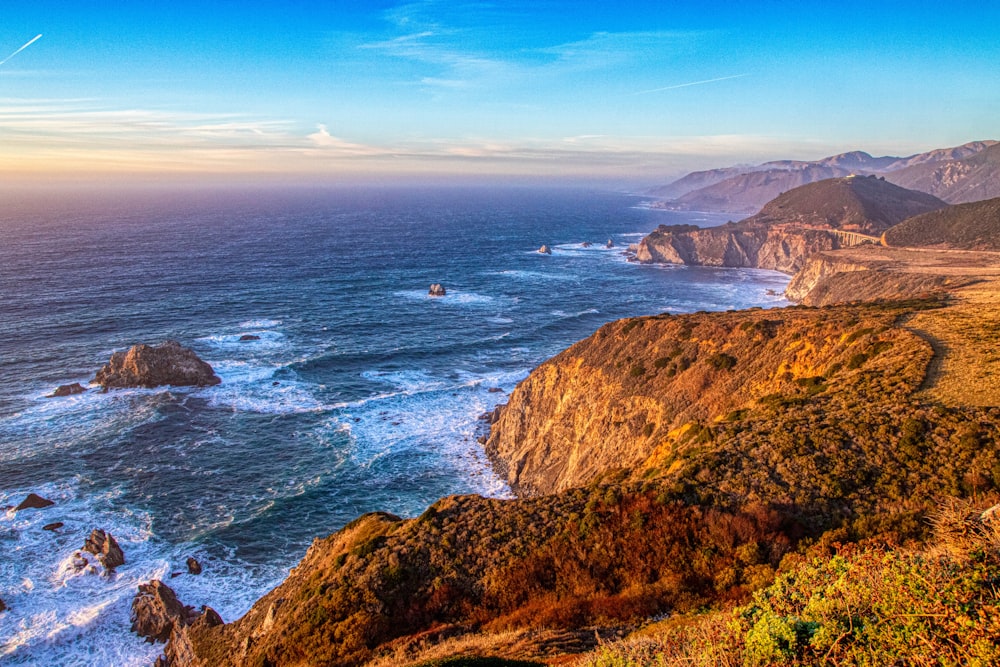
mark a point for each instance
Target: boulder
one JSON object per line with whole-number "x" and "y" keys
{"x": 249, "y": 337}
{"x": 194, "y": 567}
{"x": 156, "y": 610}
{"x": 53, "y": 526}
{"x": 545, "y": 250}
{"x": 437, "y": 289}
{"x": 104, "y": 546}
{"x": 33, "y": 501}
{"x": 155, "y": 366}
{"x": 67, "y": 390}
{"x": 609, "y": 244}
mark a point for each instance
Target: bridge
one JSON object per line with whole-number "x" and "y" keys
{"x": 849, "y": 239}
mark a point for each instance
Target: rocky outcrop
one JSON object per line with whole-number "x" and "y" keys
{"x": 158, "y": 616}
{"x": 193, "y": 566}
{"x": 437, "y": 289}
{"x": 819, "y": 268}
{"x": 638, "y": 389}
{"x": 820, "y": 216}
{"x": 734, "y": 245}
{"x": 33, "y": 501}
{"x": 155, "y": 366}
{"x": 104, "y": 546}
{"x": 67, "y": 390}
{"x": 970, "y": 178}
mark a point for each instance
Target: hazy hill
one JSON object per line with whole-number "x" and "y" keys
{"x": 794, "y": 225}
{"x": 957, "y": 181}
{"x": 974, "y": 226}
{"x": 746, "y": 189}
{"x": 865, "y": 204}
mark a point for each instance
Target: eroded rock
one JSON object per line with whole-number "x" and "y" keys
{"x": 194, "y": 567}
{"x": 33, "y": 501}
{"x": 67, "y": 390}
{"x": 437, "y": 289}
{"x": 154, "y": 366}
{"x": 106, "y": 548}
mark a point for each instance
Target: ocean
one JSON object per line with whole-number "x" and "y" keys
{"x": 361, "y": 392}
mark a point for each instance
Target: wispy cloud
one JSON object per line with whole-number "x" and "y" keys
{"x": 690, "y": 83}
{"x": 26, "y": 45}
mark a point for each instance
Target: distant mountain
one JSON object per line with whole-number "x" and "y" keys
{"x": 746, "y": 189}
{"x": 972, "y": 178}
{"x": 974, "y": 226}
{"x": 863, "y": 204}
{"x": 793, "y": 226}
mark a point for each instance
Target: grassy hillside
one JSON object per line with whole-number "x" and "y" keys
{"x": 974, "y": 226}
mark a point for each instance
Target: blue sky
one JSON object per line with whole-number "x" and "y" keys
{"x": 630, "y": 90}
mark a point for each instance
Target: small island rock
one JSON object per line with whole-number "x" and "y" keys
{"x": 155, "y": 366}
{"x": 245, "y": 337}
{"x": 586, "y": 244}
{"x": 609, "y": 244}
{"x": 106, "y": 548}
{"x": 53, "y": 526}
{"x": 33, "y": 501}
{"x": 545, "y": 250}
{"x": 437, "y": 289}
{"x": 194, "y": 567}
{"x": 155, "y": 611}
{"x": 3, "y": 607}
{"x": 67, "y": 390}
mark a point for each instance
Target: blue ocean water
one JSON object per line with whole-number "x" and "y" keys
{"x": 362, "y": 392}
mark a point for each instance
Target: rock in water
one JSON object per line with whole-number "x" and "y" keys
{"x": 148, "y": 366}
{"x": 609, "y": 244}
{"x": 53, "y": 526}
{"x": 67, "y": 390}
{"x": 586, "y": 244}
{"x": 155, "y": 611}
{"x": 33, "y": 501}
{"x": 194, "y": 567}
{"x": 437, "y": 289}
{"x": 245, "y": 337}
{"x": 104, "y": 546}
{"x": 545, "y": 250}
{"x": 3, "y": 607}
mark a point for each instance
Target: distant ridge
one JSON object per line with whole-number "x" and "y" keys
{"x": 957, "y": 181}
{"x": 745, "y": 189}
{"x": 974, "y": 226}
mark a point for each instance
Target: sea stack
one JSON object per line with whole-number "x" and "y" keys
{"x": 437, "y": 289}
{"x": 67, "y": 390}
{"x": 148, "y": 366}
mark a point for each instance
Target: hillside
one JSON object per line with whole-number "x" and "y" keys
{"x": 957, "y": 181}
{"x": 974, "y": 226}
{"x": 693, "y": 455}
{"x": 791, "y": 227}
{"x": 746, "y": 189}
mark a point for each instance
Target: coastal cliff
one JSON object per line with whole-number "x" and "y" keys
{"x": 817, "y": 217}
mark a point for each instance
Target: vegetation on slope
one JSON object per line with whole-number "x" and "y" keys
{"x": 973, "y": 226}
{"x": 863, "y": 606}
{"x": 827, "y": 443}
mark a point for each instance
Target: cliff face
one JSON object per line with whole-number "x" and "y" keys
{"x": 637, "y": 391}
{"x": 776, "y": 248}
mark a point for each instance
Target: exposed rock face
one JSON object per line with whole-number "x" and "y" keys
{"x": 149, "y": 366}
{"x": 437, "y": 289}
{"x": 734, "y": 245}
{"x": 798, "y": 223}
{"x": 67, "y": 390}
{"x": 106, "y": 548}
{"x": 33, "y": 501}
{"x": 638, "y": 389}
{"x": 159, "y": 616}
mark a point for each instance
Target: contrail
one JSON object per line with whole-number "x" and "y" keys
{"x": 30, "y": 42}
{"x": 685, "y": 85}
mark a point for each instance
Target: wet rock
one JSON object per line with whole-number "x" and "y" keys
{"x": 156, "y": 366}
{"x": 586, "y": 244}
{"x": 104, "y": 546}
{"x": 249, "y": 337}
{"x": 156, "y": 611}
{"x": 53, "y": 526}
{"x": 437, "y": 289}
{"x": 33, "y": 501}
{"x": 3, "y": 607}
{"x": 545, "y": 250}
{"x": 194, "y": 567}
{"x": 67, "y": 390}
{"x": 609, "y": 244}
{"x": 495, "y": 390}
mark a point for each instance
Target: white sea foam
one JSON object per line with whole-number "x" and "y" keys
{"x": 260, "y": 324}
{"x": 452, "y": 297}
{"x": 533, "y": 275}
